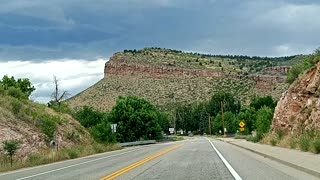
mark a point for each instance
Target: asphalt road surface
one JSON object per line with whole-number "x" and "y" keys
{"x": 193, "y": 158}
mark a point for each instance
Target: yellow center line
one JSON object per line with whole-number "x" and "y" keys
{"x": 136, "y": 164}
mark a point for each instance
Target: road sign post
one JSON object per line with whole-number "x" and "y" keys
{"x": 241, "y": 125}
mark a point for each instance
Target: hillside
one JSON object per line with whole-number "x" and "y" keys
{"x": 35, "y": 125}
{"x": 168, "y": 76}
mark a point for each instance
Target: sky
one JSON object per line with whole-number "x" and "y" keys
{"x": 73, "y": 39}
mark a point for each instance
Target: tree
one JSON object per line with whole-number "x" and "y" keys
{"x": 248, "y": 116}
{"x": 89, "y": 117}
{"x": 11, "y": 147}
{"x": 58, "y": 95}
{"x": 24, "y": 85}
{"x": 258, "y": 102}
{"x": 263, "y": 122}
{"x": 230, "y": 123}
{"x": 227, "y": 100}
{"x": 136, "y": 119}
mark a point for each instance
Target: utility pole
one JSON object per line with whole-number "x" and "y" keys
{"x": 224, "y": 132}
{"x": 209, "y": 125}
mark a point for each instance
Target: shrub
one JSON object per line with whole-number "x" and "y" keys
{"x": 294, "y": 72}
{"x": 304, "y": 142}
{"x": 280, "y": 134}
{"x": 102, "y": 133}
{"x": 11, "y": 147}
{"x": 316, "y": 145}
{"x": 16, "y": 92}
{"x": 62, "y": 107}
{"x": 16, "y": 106}
{"x": 48, "y": 126}
{"x": 73, "y": 153}
{"x": 252, "y": 139}
{"x": 89, "y": 117}
{"x": 293, "y": 143}
{"x": 2, "y": 90}
{"x": 273, "y": 141}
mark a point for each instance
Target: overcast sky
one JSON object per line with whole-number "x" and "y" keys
{"x": 72, "y": 39}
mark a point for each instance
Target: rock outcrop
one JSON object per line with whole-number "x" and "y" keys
{"x": 299, "y": 107}
{"x": 118, "y": 66}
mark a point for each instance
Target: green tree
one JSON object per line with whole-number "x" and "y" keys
{"x": 264, "y": 118}
{"x": 227, "y": 100}
{"x": 24, "y": 85}
{"x": 248, "y": 116}
{"x": 89, "y": 117}
{"x": 11, "y": 147}
{"x": 258, "y": 102}
{"x": 136, "y": 119}
{"x": 102, "y": 133}
{"x": 230, "y": 123}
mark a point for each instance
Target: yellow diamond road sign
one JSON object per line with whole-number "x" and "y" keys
{"x": 242, "y": 124}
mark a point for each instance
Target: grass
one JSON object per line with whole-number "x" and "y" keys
{"x": 253, "y": 139}
{"x": 50, "y": 156}
{"x": 309, "y": 141}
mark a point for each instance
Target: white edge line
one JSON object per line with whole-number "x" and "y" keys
{"x": 230, "y": 168}
{"x": 77, "y": 164}
{"x": 63, "y": 161}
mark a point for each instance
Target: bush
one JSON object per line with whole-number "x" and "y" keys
{"x": 252, "y": 139}
{"x": 263, "y": 122}
{"x": 273, "y": 141}
{"x": 16, "y": 106}
{"x": 48, "y": 126}
{"x": 280, "y": 134}
{"x": 294, "y": 72}
{"x": 293, "y": 143}
{"x": 304, "y": 142}
{"x": 89, "y": 117}
{"x": 2, "y": 90}
{"x": 73, "y": 153}
{"x": 17, "y": 93}
{"x": 316, "y": 145}
{"x": 102, "y": 133}
{"x": 11, "y": 147}
{"x": 62, "y": 108}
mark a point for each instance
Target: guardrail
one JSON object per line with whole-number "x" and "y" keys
{"x": 136, "y": 143}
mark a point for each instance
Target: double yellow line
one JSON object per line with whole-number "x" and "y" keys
{"x": 136, "y": 164}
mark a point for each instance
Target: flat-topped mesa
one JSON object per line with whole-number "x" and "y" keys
{"x": 156, "y": 74}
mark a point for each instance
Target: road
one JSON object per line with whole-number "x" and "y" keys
{"x": 193, "y": 158}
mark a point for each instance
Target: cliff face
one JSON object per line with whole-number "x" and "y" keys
{"x": 118, "y": 66}
{"x": 299, "y": 107}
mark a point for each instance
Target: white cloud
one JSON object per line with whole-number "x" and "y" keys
{"x": 295, "y": 17}
{"x": 74, "y": 75}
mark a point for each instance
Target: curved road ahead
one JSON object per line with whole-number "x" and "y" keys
{"x": 193, "y": 158}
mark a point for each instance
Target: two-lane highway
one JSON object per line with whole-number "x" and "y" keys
{"x": 194, "y": 158}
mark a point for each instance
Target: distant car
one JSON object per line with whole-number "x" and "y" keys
{"x": 190, "y": 134}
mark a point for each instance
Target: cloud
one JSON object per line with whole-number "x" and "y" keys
{"x": 293, "y": 17}
{"x": 74, "y": 75}
{"x": 86, "y": 29}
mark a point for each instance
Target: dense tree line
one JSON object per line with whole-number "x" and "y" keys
{"x": 236, "y": 57}
{"x": 225, "y": 110}
{"x": 136, "y": 119}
